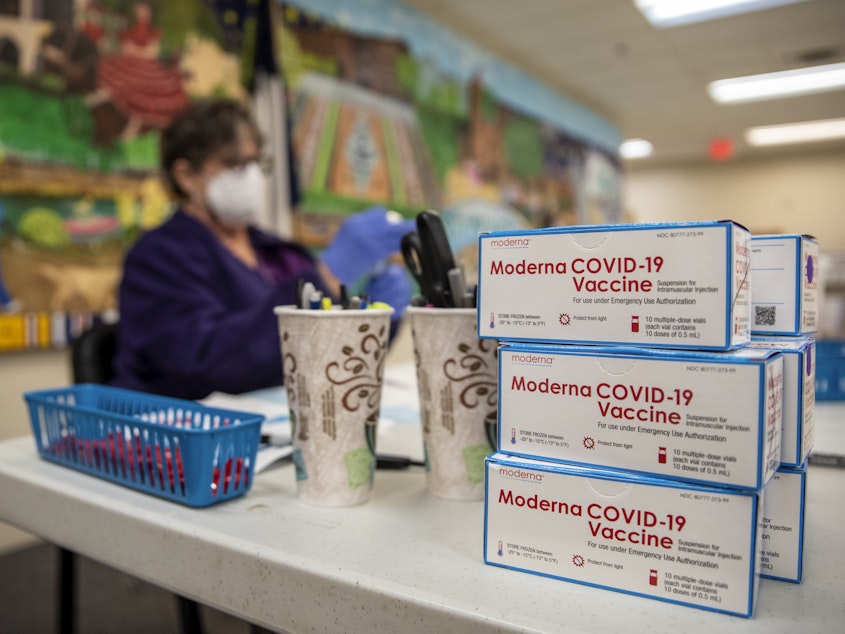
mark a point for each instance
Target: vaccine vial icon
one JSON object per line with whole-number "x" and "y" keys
{"x": 500, "y": 551}
{"x": 652, "y": 578}
{"x": 635, "y": 323}
{"x": 513, "y": 435}
{"x": 661, "y": 455}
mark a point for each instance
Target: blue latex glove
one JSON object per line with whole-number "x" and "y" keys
{"x": 363, "y": 241}
{"x": 391, "y": 286}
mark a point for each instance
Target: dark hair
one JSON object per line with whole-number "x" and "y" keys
{"x": 201, "y": 131}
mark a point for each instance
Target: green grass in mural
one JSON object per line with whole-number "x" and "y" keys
{"x": 489, "y": 106}
{"x": 324, "y": 151}
{"x": 524, "y": 147}
{"x": 406, "y": 71}
{"x": 329, "y": 204}
{"x": 441, "y": 133}
{"x": 429, "y": 87}
{"x": 394, "y": 163}
{"x": 63, "y": 131}
{"x": 141, "y": 153}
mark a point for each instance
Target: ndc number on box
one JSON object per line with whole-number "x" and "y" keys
{"x": 680, "y": 234}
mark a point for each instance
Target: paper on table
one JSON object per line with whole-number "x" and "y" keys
{"x": 399, "y": 396}
{"x": 829, "y": 444}
{"x": 276, "y": 413}
{"x": 268, "y": 454}
{"x": 272, "y": 404}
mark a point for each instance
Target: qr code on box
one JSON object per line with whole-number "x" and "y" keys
{"x": 765, "y": 315}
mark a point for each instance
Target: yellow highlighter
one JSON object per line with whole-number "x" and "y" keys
{"x": 378, "y": 305}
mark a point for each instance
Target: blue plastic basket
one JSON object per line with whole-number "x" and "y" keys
{"x": 176, "y": 449}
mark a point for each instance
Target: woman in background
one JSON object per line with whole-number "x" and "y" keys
{"x": 197, "y": 295}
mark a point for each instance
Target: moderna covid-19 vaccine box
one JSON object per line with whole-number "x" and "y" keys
{"x": 782, "y": 553}
{"x": 784, "y": 284}
{"x": 692, "y": 545}
{"x": 710, "y": 417}
{"x": 674, "y": 285}
{"x": 799, "y": 395}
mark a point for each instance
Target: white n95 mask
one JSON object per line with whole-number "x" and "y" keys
{"x": 236, "y": 195}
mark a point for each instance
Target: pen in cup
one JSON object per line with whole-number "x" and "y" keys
{"x": 315, "y": 301}
{"x": 457, "y": 287}
{"x": 308, "y": 289}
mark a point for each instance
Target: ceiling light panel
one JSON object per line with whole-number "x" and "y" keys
{"x": 807, "y": 132}
{"x": 787, "y": 83}
{"x": 669, "y": 13}
{"x": 635, "y": 148}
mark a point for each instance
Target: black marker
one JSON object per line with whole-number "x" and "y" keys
{"x": 386, "y": 461}
{"x": 827, "y": 460}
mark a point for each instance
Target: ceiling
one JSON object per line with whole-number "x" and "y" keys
{"x": 652, "y": 82}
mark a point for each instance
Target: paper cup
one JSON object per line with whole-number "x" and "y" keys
{"x": 457, "y": 378}
{"x": 333, "y": 364}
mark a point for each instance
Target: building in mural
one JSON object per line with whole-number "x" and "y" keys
{"x": 360, "y": 144}
{"x": 373, "y": 122}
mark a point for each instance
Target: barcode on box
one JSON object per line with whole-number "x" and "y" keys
{"x": 765, "y": 315}
{"x": 784, "y": 274}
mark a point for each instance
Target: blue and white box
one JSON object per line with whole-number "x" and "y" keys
{"x": 669, "y": 285}
{"x": 656, "y": 538}
{"x": 706, "y": 417}
{"x": 830, "y": 370}
{"x": 799, "y": 395}
{"x": 784, "y": 284}
{"x": 782, "y": 554}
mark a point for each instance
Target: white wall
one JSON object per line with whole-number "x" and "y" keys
{"x": 804, "y": 193}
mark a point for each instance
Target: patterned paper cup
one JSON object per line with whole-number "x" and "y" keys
{"x": 458, "y": 389}
{"x": 333, "y": 363}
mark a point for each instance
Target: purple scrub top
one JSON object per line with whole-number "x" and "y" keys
{"x": 195, "y": 319}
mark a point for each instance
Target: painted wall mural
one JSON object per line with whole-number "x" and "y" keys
{"x": 85, "y": 88}
{"x": 386, "y": 108}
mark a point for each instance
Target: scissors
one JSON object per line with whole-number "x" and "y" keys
{"x": 429, "y": 258}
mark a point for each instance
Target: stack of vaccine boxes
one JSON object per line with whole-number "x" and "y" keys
{"x": 785, "y": 313}
{"x": 638, "y": 429}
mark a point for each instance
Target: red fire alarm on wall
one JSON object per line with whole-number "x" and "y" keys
{"x": 721, "y": 148}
